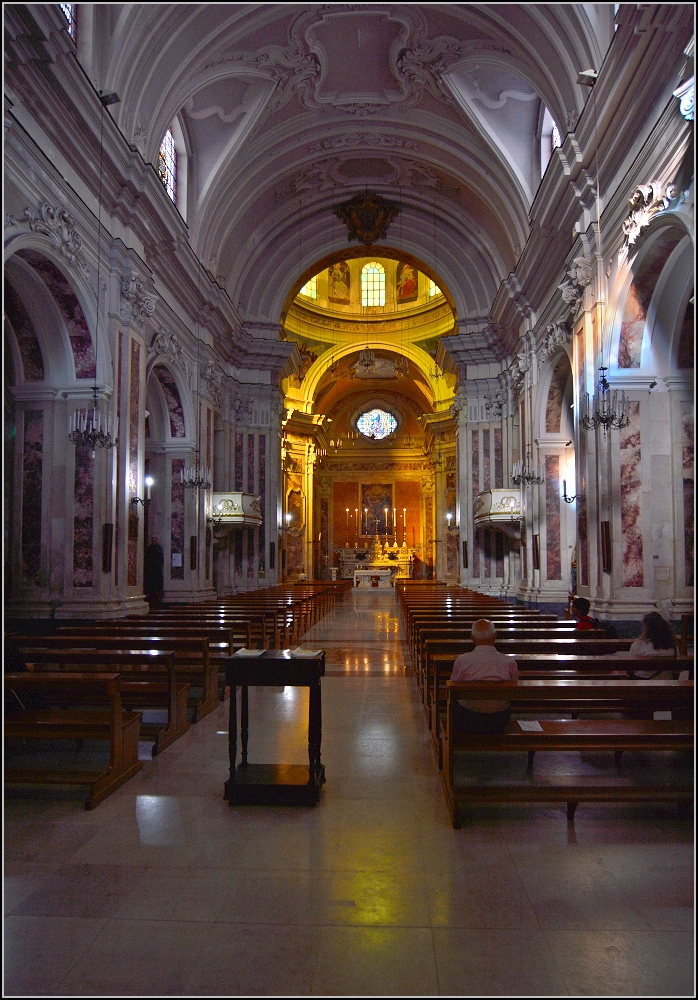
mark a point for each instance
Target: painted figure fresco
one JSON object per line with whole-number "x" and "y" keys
{"x": 375, "y": 497}
{"x": 406, "y": 281}
{"x": 339, "y": 282}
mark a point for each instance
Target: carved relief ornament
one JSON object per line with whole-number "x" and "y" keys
{"x": 167, "y": 346}
{"x": 367, "y": 217}
{"x": 58, "y": 226}
{"x": 646, "y": 201}
{"x": 573, "y": 287}
{"x": 556, "y": 335}
{"x": 138, "y": 302}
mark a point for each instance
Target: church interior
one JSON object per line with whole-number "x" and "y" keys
{"x": 353, "y": 302}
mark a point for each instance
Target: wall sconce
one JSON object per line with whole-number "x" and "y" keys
{"x": 449, "y": 525}
{"x": 577, "y": 496}
{"x": 149, "y": 481}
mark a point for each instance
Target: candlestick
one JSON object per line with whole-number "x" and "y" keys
{"x": 385, "y": 520}
{"x": 394, "y": 531}
{"x": 347, "y": 542}
{"x": 404, "y": 525}
{"x": 356, "y": 526}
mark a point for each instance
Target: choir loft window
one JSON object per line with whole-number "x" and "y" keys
{"x": 309, "y": 289}
{"x": 70, "y": 14}
{"x": 372, "y": 284}
{"x": 167, "y": 165}
{"x": 376, "y": 424}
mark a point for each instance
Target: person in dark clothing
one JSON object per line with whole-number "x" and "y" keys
{"x": 153, "y": 569}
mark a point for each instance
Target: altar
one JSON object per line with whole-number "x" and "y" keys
{"x": 378, "y": 559}
{"x": 379, "y": 577}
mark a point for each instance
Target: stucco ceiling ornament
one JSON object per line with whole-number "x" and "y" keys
{"x": 367, "y": 217}
{"x": 138, "y": 302}
{"x": 646, "y": 201}
{"x": 167, "y": 346}
{"x": 363, "y": 140}
{"x": 555, "y": 335}
{"x": 341, "y": 171}
{"x": 573, "y": 287}
{"x": 58, "y": 226}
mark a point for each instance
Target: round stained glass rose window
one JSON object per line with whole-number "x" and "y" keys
{"x": 376, "y": 424}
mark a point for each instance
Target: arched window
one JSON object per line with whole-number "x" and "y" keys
{"x": 70, "y": 11}
{"x": 372, "y": 284}
{"x": 550, "y": 139}
{"x": 309, "y": 289}
{"x": 167, "y": 165}
{"x": 434, "y": 289}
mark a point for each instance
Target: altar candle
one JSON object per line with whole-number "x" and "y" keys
{"x": 394, "y": 531}
{"x": 385, "y": 522}
{"x": 356, "y": 526}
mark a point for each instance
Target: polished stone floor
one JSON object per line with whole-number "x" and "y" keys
{"x": 166, "y": 890}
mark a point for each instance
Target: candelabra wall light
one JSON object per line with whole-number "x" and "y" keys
{"x": 578, "y": 496}
{"x": 450, "y": 522}
{"x": 89, "y": 429}
{"x": 522, "y": 473}
{"x": 149, "y": 482}
{"x": 605, "y": 408}
{"x": 196, "y": 476}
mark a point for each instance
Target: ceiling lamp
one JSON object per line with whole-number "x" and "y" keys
{"x": 604, "y": 409}
{"x": 522, "y": 473}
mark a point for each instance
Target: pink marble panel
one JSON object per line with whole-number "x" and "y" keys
{"x": 83, "y": 518}
{"x": 475, "y": 460}
{"x": 556, "y": 394}
{"x": 486, "y": 460}
{"x": 70, "y": 309}
{"x": 177, "y": 518}
{"x": 261, "y": 493}
{"x": 173, "y": 400}
{"x": 499, "y": 545}
{"x": 429, "y": 528}
{"x": 498, "y": 460}
{"x": 119, "y": 481}
{"x": 32, "y": 469}
{"x": 294, "y": 555}
{"x": 238, "y": 554}
{"x": 250, "y": 553}
{"x": 631, "y": 500}
{"x": 133, "y": 414}
{"x": 686, "y": 353}
{"x": 27, "y": 341}
{"x": 687, "y": 454}
{"x": 582, "y": 527}
{"x": 324, "y": 533}
{"x": 239, "y": 441}
{"x": 639, "y": 298}
{"x": 250, "y": 463}
{"x": 552, "y": 517}
{"x": 488, "y": 553}
{"x": 452, "y": 553}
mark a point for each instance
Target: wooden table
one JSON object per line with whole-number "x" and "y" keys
{"x": 274, "y": 784}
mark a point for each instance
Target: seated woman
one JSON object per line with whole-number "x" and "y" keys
{"x": 485, "y": 663}
{"x": 656, "y": 639}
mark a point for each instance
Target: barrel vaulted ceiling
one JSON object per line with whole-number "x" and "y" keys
{"x": 288, "y": 109}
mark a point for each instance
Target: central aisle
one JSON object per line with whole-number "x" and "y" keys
{"x": 166, "y": 890}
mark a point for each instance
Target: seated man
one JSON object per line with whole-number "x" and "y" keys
{"x": 580, "y": 611}
{"x": 485, "y": 663}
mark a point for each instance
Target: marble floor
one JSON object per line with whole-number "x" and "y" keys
{"x": 164, "y": 889}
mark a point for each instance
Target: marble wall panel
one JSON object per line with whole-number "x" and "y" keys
{"x": 173, "y": 400}
{"x": 27, "y": 341}
{"x": 69, "y": 308}
{"x": 452, "y": 553}
{"x": 133, "y": 422}
{"x": 487, "y": 547}
{"x": 83, "y": 518}
{"x": 498, "y": 459}
{"x": 499, "y": 544}
{"x": 688, "y": 467}
{"x": 239, "y": 444}
{"x": 639, "y": 298}
{"x": 407, "y": 503}
{"x": 552, "y": 518}
{"x": 475, "y": 467}
{"x": 486, "y": 483}
{"x": 32, "y": 470}
{"x": 250, "y": 552}
{"x": 324, "y": 535}
{"x": 687, "y": 338}
{"x": 238, "y": 554}
{"x": 582, "y": 525}
{"x": 262, "y": 492}
{"x": 118, "y": 450}
{"x": 631, "y": 500}
{"x": 250, "y": 463}
{"x": 177, "y": 519}
{"x": 429, "y": 530}
{"x": 294, "y": 555}
{"x": 556, "y": 395}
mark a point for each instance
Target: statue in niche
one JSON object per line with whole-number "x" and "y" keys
{"x": 339, "y": 281}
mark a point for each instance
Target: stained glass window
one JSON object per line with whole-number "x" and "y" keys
{"x": 372, "y": 284}
{"x": 376, "y": 424}
{"x": 309, "y": 289}
{"x": 433, "y": 288}
{"x": 69, "y": 13}
{"x": 167, "y": 165}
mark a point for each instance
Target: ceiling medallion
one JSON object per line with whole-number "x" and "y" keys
{"x": 367, "y": 217}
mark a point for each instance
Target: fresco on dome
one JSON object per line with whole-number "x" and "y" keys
{"x": 406, "y": 282}
{"x": 375, "y": 497}
{"x": 339, "y": 283}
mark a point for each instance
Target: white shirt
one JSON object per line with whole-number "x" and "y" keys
{"x": 485, "y": 663}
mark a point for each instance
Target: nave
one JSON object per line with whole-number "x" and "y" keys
{"x": 163, "y": 889}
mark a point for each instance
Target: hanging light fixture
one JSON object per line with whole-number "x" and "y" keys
{"x": 522, "y": 473}
{"x": 196, "y": 476}
{"x": 605, "y": 409}
{"x": 87, "y": 427}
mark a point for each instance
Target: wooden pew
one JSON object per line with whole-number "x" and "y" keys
{"x": 148, "y": 681}
{"x": 193, "y": 664}
{"x": 612, "y": 735}
{"x": 109, "y": 722}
